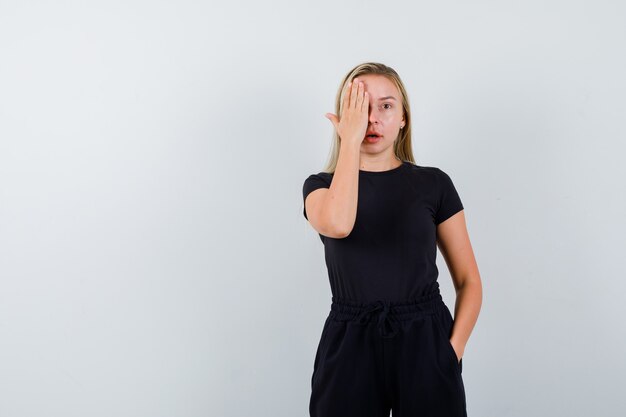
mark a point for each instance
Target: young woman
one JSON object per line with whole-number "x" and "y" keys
{"x": 389, "y": 341}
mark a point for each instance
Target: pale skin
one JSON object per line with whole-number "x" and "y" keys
{"x": 373, "y": 103}
{"x": 454, "y": 244}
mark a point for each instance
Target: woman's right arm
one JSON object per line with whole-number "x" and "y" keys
{"x": 332, "y": 211}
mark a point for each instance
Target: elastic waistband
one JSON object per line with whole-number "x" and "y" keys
{"x": 390, "y": 313}
{"x": 347, "y": 309}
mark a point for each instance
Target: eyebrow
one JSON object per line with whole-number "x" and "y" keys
{"x": 388, "y": 97}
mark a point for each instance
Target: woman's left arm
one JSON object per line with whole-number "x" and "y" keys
{"x": 454, "y": 244}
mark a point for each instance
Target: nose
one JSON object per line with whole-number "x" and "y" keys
{"x": 373, "y": 116}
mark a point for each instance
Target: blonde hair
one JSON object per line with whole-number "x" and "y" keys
{"x": 402, "y": 146}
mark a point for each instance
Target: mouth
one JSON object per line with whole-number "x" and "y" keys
{"x": 372, "y": 135}
{"x": 372, "y": 138}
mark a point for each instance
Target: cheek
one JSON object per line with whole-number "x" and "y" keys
{"x": 391, "y": 118}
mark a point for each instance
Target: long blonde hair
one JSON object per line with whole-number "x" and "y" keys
{"x": 402, "y": 146}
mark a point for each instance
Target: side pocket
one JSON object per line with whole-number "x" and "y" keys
{"x": 320, "y": 347}
{"x": 445, "y": 322}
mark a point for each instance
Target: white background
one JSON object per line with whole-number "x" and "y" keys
{"x": 154, "y": 259}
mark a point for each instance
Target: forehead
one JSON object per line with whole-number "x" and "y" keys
{"x": 379, "y": 86}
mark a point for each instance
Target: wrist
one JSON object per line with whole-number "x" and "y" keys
{"x": 352, "y": 146}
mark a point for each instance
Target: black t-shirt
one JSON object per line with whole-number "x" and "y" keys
{"x": 390, "y": 253}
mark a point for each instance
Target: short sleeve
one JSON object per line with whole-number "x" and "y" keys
{"x": 312, "y": 183}
{"x": 449, "y": 202}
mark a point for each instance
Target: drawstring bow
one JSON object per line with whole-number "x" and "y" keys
{"x": 385, "y": 319}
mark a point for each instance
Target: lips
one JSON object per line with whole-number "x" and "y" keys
{"x": 372, "y": 134}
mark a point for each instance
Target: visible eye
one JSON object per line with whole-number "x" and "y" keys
{"x": 387, "y": 104}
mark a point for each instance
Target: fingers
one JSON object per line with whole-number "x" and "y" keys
{"x": 346, "y": 95}
{"x": 354, "y": 92}
{"x": 364, "y": 101}
{"x": 359, "y": 96}
{"x": 354, "y": 97}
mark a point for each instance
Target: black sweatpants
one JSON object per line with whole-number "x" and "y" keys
{"x": 377, "y": 357}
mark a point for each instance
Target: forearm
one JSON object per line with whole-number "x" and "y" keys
{"x": 466, "y": 311}
{"x": 340, "y": 202}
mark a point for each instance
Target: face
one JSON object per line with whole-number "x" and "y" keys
{"x": 385, "y": 113}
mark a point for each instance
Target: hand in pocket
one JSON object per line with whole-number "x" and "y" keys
{"x": 456, "y": 351}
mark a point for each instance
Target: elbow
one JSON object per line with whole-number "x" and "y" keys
{"x": 335, "y": 227}
{"x": 342, "y": 233}
{"x": 334, "y": 230}
{"x": 342, "y": 230}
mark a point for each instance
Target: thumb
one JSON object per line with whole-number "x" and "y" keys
{"x": 334, "y": 120}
